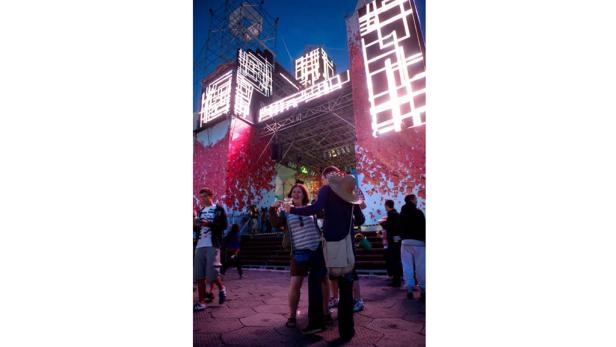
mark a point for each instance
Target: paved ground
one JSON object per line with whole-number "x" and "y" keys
{"x": 256, "y": 311}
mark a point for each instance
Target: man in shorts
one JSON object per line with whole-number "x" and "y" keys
{"x": 213, "y": 221}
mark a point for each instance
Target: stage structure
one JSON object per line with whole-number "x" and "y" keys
{"x": 315, "y": 127}
{"x": 256, "y": 117}
{"x": 238, "y": 75}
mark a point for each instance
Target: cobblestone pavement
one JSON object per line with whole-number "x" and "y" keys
{"x": 256, "y": 311}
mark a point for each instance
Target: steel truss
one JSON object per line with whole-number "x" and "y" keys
{"x": 308, "y": 133}
{"x": 233, "y": 25}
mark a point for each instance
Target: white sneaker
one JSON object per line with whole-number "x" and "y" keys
{"x": 199, "y": 307}
{"x": 358, "y": 305}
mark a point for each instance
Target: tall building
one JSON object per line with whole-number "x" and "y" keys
{"x": 314, "y": 66}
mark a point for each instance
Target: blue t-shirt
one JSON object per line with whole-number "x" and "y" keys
{"x": 337, "y": 221}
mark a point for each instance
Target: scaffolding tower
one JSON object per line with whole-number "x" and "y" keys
{"x": 235, "y": 24}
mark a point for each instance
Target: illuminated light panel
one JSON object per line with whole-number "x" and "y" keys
{"x": 336, "y": 152}
{"x": 394, "y": 64}
{"x": 308, "y": 67}
{"x": 304, "y": 96}
{"x": 256, "y": 70}
{"x": 216, "y": 99}
{"x": 243, "y": 96}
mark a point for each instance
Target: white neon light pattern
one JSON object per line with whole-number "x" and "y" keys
{"x": 256, "y": 70}
{"x": 394, "y": 64}
{"x": 243, "y": 96}
{"x": 216, "y": 99}
{"x": 304, "y": 96}
{"x": 310, "y": 67}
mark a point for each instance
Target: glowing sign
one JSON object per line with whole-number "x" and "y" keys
{"x": 336, "y": 152}
{"x": 243, "y": 96}
{"x": 394, "y": 63}
{"x": 216, "y": 99}
{"x": 313, "y": 65}
{"x": 304, "y": 96}
{"x": 256, "y": 70}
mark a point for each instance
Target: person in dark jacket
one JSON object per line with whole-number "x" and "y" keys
{"x": 392, "y": 226}
{"x": 232, "y": 250}
{"x": 341, "y": 208}
{"x": 413, "y": 248}
{"x": 212, "y": 221}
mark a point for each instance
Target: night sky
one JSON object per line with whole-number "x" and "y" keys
{"x": 301, "y": 23}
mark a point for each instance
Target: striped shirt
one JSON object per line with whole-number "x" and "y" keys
{"x": 306, "y": 236}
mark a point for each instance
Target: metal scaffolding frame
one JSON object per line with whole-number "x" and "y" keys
{"x": 307, "y": 134}
{"x": 233, "y": 25}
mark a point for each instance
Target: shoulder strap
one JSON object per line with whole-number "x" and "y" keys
{"x": 351, "y": 226}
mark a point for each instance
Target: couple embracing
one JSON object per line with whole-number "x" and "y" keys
{"x": 318, "y": 254}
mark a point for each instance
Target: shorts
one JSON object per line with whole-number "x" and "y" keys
{"x": 206, "y": 263}
{"x": 355, "y": 276}
{"x": 316, "y": 265}
{"x": 299, "y": 269}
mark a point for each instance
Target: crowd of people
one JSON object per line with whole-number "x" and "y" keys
{"x": 319, "y": 235}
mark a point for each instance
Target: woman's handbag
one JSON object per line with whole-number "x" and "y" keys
{"x": 339, "y": 257}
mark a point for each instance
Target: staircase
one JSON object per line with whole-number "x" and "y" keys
{"x": 266, "y": 250}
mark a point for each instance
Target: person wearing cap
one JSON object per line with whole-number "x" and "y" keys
{"x": 337, "y": 198}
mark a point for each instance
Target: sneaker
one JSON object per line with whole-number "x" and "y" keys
{"x": 333, "y": 303}
{"x": 222, "y": 295}
{"x": 358, "y": 305}
{"x": 199, "y": 307}
{"x": 312, "y": 330}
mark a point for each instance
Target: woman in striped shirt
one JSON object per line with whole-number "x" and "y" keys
{"x": 306, "y": 259}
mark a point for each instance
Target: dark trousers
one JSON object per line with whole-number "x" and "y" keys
{"x": 346, "y": 326}
{"x": 394, "y": 262}
{"x": 229, "y": 262}
{"x": 317, "y": 272}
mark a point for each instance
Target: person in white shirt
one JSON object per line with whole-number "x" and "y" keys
{"x": 212, "y": 221}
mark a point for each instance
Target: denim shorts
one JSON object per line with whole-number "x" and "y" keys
{"x": 304, "y": 261}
